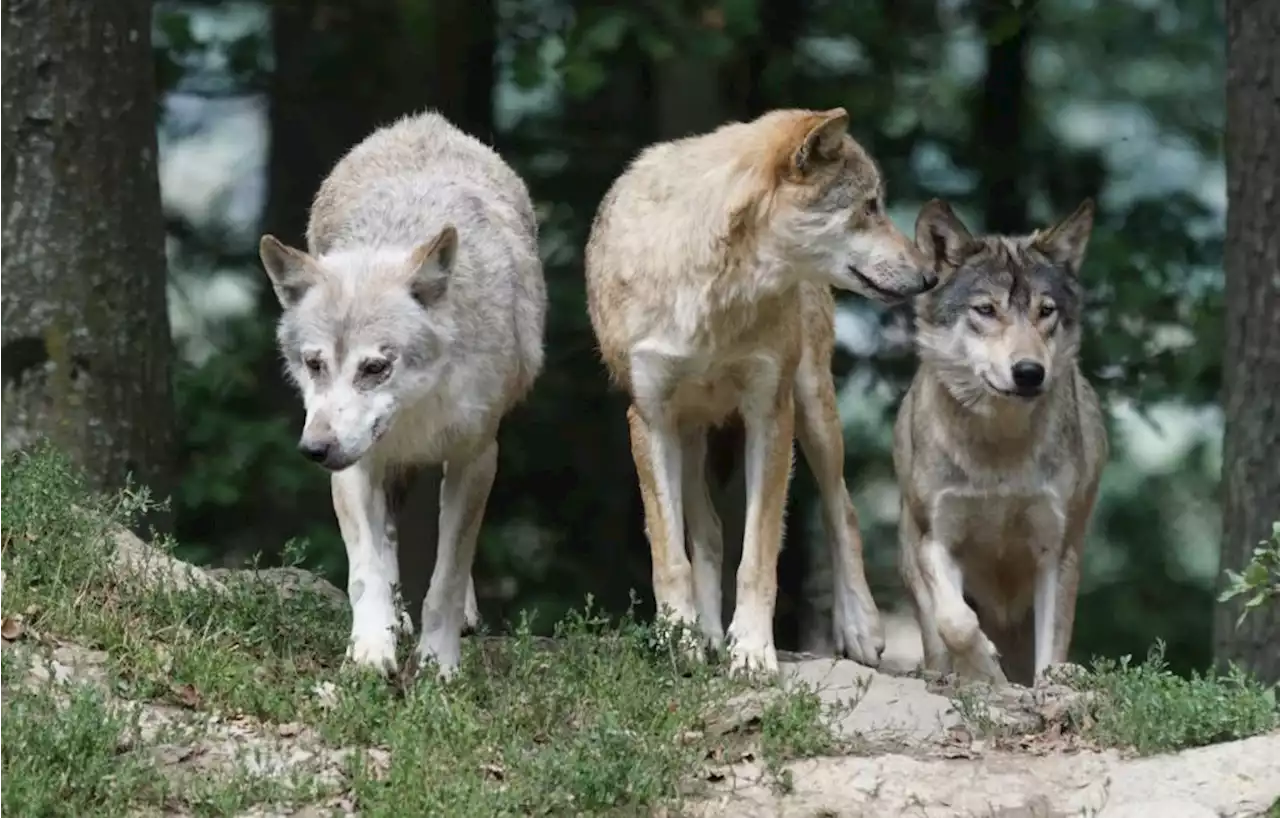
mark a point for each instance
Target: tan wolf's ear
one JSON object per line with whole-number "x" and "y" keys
{"x": 292, "y": 272}
{"x": 431, "y": 264}
{"x": 1066, "y": 241}
{"x": 941, "y": 236}
{"x": 822, "y": 141}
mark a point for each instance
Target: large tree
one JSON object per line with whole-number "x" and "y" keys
{"x": 85, "y": 333}
{"x": 1251, "y": 368}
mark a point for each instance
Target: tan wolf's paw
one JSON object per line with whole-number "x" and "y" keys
{"x": 753, "y": 660}
{"x": 861, "y": 640}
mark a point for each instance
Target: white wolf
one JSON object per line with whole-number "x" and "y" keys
{"x": 411, "y": 327}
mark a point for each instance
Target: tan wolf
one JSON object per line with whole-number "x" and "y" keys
{"x": 411, "y": 327}
{"x": 999, "y": 445}
{"x": 708, "y": 271}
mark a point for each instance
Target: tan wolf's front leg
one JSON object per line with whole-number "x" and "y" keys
{"x": 373, "y": 570}
{"x": 859, "y": 634}
{"x": 768, "y": 473}
{"x": 464, "y": 492}
{"x": 656, "y": 450}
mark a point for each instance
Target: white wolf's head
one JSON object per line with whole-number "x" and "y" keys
{"x": 362, "y": 333}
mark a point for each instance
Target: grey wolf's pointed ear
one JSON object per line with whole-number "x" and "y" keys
{"x": 432, "y": 264}
{"x": 1066, "y": 241}
{"x": 940, "y": 234}
{"x": 822, "y": 141}
{"x": 292, "y": 272}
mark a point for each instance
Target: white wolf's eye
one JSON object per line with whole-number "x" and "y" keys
{"x": 313, "y": 364}
{"x": 373, "y": 366}
{"x": 1047, "y": 310}
{"x": 985, "y": 310}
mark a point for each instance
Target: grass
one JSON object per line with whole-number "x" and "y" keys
{"x": 1150, "y": 709}
{"x": 599, "y": 720}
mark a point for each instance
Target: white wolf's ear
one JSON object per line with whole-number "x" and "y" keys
{"x": 822, "y": 141}
{"x": 1065, "y": 242}
{"x": 432, "y": 264}
{"x": 292, "y": 272}
{"x": 941, "y": 236}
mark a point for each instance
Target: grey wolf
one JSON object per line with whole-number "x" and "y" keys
{"x": 411, "y": 325}
{"x": 709, "y": 268}
{"x": 998, "y": 446}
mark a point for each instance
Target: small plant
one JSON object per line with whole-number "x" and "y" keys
{"x": 1260, "y": 580}
{"x": 1149, "y": 708}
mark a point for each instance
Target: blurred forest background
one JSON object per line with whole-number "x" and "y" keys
{"x": 1013, "y": 111}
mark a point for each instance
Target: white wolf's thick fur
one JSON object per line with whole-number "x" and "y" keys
{"x": 414, "y": 324}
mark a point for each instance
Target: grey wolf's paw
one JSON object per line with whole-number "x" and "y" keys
{"x": 860, "y": 640}
{"x": 374, "y": 650}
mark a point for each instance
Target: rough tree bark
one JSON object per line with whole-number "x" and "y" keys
{"x": 1251, "y": 364}
{"x": 86, "y": 346}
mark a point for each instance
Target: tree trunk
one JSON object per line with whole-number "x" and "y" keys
{"x": 86, "y": 346}
{"x": 1251, "y": 368}
{"x": 1001, "y": 116}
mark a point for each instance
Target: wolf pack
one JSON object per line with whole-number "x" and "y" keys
{"x": 414, "y": 322}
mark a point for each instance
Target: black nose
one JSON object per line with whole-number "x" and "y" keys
{"x": 1028, "y": 375}
{"x": 317, "y": 451}
{"x": 930, "y": 281}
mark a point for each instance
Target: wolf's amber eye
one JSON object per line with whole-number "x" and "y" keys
{"x": 1047, "y": 310}
{"x": 374, "y": 366}
{"x": 985, "y": 310}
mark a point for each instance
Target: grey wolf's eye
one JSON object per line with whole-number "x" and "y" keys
{"x": 985, "y": 310}
{"x": 373, "y": 366}
{"x": 1047, "y": 310}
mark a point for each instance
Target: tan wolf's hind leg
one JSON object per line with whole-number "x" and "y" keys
{"x": 859, "y": 634}
{"x": 706, "y": 537}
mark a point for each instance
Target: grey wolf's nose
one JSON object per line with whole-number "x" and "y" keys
{"x": 317, "y": 451}
{"x": 930, "y": 281}
{"x": 1028, "y": 375}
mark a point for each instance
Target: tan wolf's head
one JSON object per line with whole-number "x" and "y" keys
{"x": 361, "y": 335}
{"x": 826, "y": 215}
{"x": 1005, "y": 320}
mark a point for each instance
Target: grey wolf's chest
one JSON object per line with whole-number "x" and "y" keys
{"x": 1016, "y": 510}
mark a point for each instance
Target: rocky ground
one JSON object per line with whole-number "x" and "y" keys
{"x": 907, "y": 746}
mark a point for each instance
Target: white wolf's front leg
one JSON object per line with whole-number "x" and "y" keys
{"x": 372, "y": 568}
{"x": 706, "y": 538}
{"x": 464, "y": 492}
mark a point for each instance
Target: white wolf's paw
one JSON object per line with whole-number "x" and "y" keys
{"x": 471, "y": 614}
{"x": 860, "y": 639}
{"x": 374, "y": 649}
{"x": 442, "y": 647}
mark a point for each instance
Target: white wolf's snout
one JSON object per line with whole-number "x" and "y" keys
{"x": 342, "y": 428}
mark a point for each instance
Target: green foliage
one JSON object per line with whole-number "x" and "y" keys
{"x": 1260, "y": 581}
{"x": 601, "y": 718}
{"x": 1151, "y": 710}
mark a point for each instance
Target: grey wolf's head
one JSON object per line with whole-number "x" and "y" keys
{"x": 828, "y": 210}
{"x": 361, "y": 334}
{"x": 1005, "y": 321}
